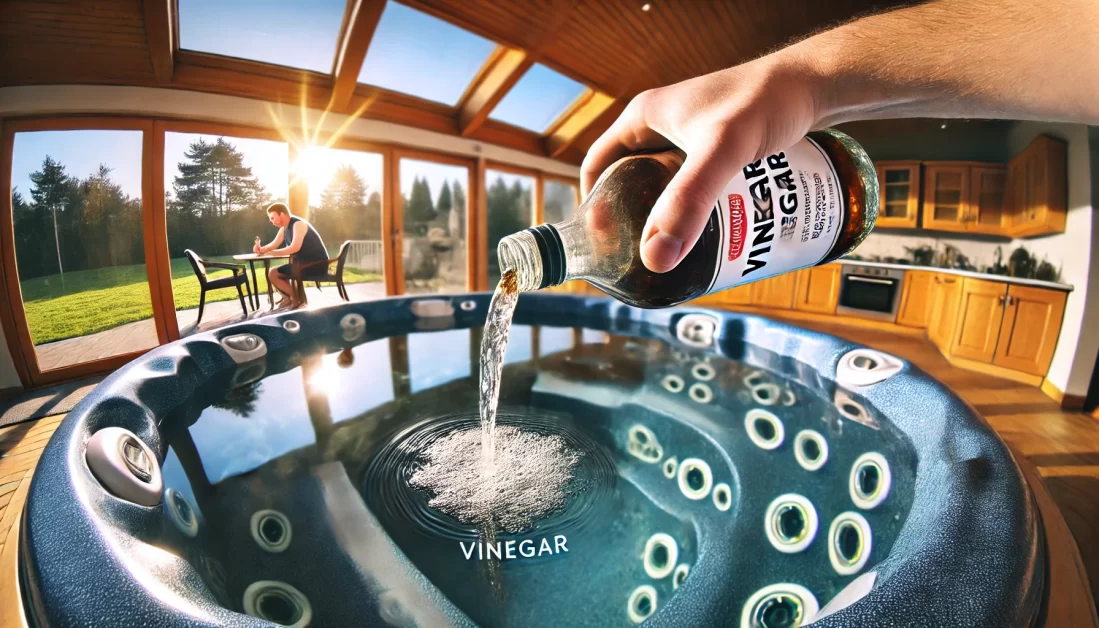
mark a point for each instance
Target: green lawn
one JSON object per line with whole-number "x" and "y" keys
{"x": 95, "y": 300}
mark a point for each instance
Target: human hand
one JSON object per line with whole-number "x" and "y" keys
{"x": 256, "y": 248}
{"x": 723, "y": 121}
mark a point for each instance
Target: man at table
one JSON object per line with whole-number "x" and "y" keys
{"x": 297, "y": 238}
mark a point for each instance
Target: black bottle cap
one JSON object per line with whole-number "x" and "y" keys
{"x": 552, "y": 251}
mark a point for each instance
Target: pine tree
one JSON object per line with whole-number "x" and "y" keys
{"x": 418, "y": 208}
{"x": 444, "y": 206}
{"x": 52, "y": 192}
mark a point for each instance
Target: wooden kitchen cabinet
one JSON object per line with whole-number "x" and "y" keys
{"x": 818, "y": 289}
{"x": 915, "y": 307}
{"x": 1030, "y": 328}
{"x": 945, "y": 293}
{"x": 986, "y": 212}
{"x": 945, "y": 195}
{"x": 776, "y": 292}
{"x": 740, "y": 295}
{"x": 980, "y": 313}
{"x": 1037, "y": 187}
{"x": 899, "y": 193}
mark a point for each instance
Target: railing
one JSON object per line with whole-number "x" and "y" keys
{"x": 366, "y": 255}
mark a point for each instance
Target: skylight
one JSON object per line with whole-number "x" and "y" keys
{"x": 537, "y": 99}
{"x": 415, "y": 53}
{"x": 284, "y": 32}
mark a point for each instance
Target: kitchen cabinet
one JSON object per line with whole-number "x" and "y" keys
{"x": 945, "y": 195}
{"x": 1030, "y": 328}
{"x": 915, "y": 307}
{"x": 817, "y": 289}
{"x": 899, "y": 193}
{"x": 1038, "y": 188}
{"x": 986, "y": 212}
{"x": 945, "y": 293}
{"x": 980, "y": 313}
{"x": 776, "y": 292}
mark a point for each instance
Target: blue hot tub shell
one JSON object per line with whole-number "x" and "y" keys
{"x": 970, "y": 553}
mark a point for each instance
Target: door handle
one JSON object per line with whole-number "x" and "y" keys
{"x": 870, "y": 280}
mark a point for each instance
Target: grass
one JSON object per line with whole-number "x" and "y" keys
{"x": 90, "y": 301}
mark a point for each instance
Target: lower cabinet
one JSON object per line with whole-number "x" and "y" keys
{"x": 775, "y": 292}
{"x": 817, "y": 289}
{"x": 915, "y": 307}
{"x": 1012, "y": 326}
{"x": 946, "y": 290}
{"x": 1030, "y": 329}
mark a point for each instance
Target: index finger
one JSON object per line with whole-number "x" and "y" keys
{"x": 631, "y": 132}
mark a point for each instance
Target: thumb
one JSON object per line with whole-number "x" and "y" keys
{"x": 685, "y": 206}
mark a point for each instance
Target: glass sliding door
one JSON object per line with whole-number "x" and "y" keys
{"x": 509, "y": 201}
{"x": 216, "y": 191}
{"x": 77, "y": 216}
{"x": 345, "y": 205}
{"x": 434, "y": 210}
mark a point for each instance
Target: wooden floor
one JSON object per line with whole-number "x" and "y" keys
{"x": 1063, "y": 447}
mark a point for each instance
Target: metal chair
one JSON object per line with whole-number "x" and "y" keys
{"x": 329, "y": 277}
{"x": 237, "y": 279}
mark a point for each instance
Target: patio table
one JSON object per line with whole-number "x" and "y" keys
{"x": 252, "y": 258}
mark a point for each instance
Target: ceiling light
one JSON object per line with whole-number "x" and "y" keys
{"x": 646, "y": 6}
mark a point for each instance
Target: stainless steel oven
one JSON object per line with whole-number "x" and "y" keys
{"x": 870, "y": 292}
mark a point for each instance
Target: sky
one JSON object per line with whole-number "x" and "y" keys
{"x": 80, "y": 152}
{"x": 410, "y": 52}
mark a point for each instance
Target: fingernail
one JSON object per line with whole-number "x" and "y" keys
{"x": 661, "y": 251}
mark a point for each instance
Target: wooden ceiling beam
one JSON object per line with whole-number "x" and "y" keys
{"x": 563, "y": 133}
{"x": 503, "y": 69}
{"x": 161, "y": 38}
{"x": 360, "y": 20}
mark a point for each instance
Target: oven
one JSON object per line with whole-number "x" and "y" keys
{"x": 870, "y": 292}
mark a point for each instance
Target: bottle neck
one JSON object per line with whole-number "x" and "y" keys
{"x": 537, "y": 255}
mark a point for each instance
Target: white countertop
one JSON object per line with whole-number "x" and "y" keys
{"x": 964, "y": 273}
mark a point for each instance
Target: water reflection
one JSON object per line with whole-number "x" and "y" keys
{"x": 693, "y": 469}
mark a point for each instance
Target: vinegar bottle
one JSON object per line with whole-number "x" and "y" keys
{"x": 804, "y": 206}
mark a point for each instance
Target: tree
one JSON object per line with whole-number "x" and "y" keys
{"x": 444, "y": 206}
{"x": 217, "y": 204}
{"x": 52, "y": 192}
{"x": 344, "y": 212}
{"x": 459, "y": 205}
{"x": 506, "y": 208}
{"x": 419, "y": 209}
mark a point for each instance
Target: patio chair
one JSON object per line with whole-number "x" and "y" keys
{"x": 329, "y": 277}
{"x": 237, "y": 279}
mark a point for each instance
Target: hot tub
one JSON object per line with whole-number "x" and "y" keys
{"x": 724, "y": 470}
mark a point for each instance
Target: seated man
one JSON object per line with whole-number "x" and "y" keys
{"x": 300, "y": 240}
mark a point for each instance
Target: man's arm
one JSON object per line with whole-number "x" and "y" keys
{"x": 1013, "y": 59}
{"x": 295, "y": 244}
{"x": 273, "y": 244}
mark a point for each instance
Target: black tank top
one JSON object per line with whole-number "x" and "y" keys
{"x": 312, "y": 249}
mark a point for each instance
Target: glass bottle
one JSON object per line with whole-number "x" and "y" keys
{"x": 808, "y": 205}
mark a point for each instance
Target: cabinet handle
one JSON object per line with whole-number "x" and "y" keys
{"x": 950, "y": 281}
{"x": 1010, "y": 300}
{"x": 937, "y": 279}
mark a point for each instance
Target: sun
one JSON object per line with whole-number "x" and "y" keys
{"x": 316, "y": 166}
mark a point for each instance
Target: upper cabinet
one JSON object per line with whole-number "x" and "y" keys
{"x": 945, "y": 195}
{"x": 899, "y": 190}
{"x": 1038, "y": 188}
{"x": 1025, "y": 197}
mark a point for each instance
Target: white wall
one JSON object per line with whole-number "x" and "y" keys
{"x": 1078, "y": 249}
{"x": 169, "y": 103}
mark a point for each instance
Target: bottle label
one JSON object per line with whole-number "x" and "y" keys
{"x": 779, "y": 214}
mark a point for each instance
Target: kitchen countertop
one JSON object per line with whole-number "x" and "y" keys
{"x": 965, "y": 273}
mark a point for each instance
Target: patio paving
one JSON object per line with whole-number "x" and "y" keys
{"x": 140, "y": 335}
